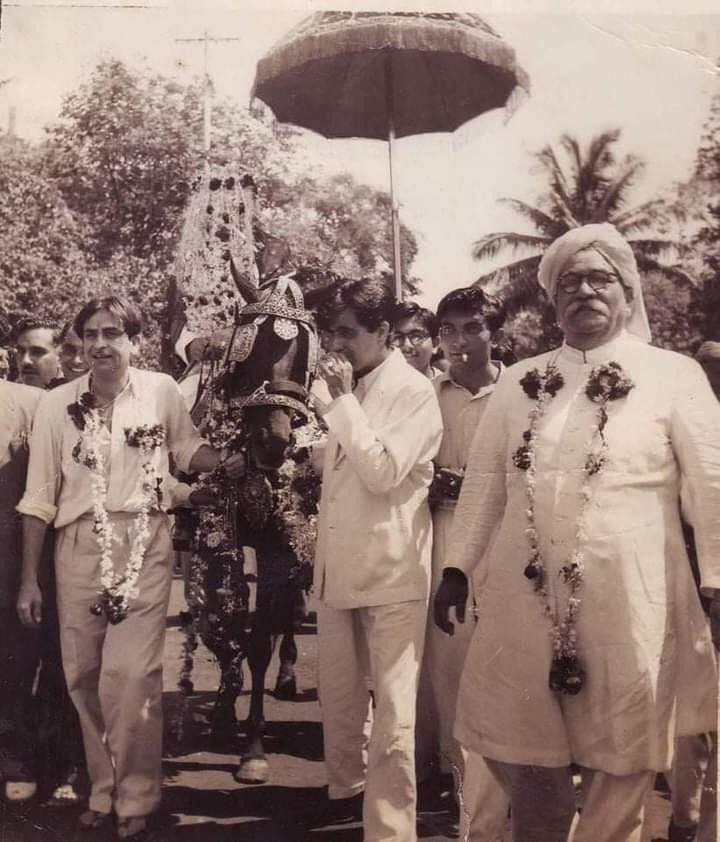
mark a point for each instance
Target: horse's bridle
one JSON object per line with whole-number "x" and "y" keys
{"x": 281, "y": 393}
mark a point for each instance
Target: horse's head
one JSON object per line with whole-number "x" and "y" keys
{"x": 269, "y": 367}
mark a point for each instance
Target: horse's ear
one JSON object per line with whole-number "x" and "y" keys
{"x": 245, "y": 287}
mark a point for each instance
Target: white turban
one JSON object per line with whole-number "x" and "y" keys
{"x": 607, "y": 241}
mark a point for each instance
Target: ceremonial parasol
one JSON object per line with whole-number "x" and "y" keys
{"x": 388, "y": 75}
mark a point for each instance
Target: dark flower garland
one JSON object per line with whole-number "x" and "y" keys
{"x": 607, "y": 382}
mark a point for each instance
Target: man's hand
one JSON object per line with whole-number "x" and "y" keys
{"x": 202, "y": 496}
{"x": 235, "y": 465}
{"x": 715, "y": 619}
{"x": 453, "y": 592}
{"x": 336, "y": 371}
{"x": 29, "y": 604}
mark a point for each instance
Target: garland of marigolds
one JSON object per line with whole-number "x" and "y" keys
{"x": 606, "y": 383}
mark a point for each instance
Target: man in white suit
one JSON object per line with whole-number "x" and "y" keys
{"x": 372, "y": 567}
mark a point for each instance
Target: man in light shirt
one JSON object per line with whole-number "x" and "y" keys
{"x": 87, "y": 478}
{"x": 468, "y": 319}
{"x": 18, "y": 645}
{"x": 372, "y": 566}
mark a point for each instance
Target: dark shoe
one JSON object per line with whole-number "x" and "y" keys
{"x": 339, "y": 811}
{"x": 681, "y": 834}
{"x": 93, "y": 820}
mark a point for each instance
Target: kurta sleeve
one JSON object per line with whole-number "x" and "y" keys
{"x": 695, "y": 438}
{"x": 384, "y": 457}
{"x": 44, "y": 468}
{"x": 183, "y": 439}
{"x": 483, "y": 495}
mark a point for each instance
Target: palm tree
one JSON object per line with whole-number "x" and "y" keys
{"x": 593, "y": 188}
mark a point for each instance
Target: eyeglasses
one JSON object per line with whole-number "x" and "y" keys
{"x": 414, "y": 337}
{"x": 598, "y": 281}
{"x": 470, "y": 330}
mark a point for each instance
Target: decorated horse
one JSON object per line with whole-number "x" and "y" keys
{"x": 232, "y": 277}
{"x": 255, "y": 401}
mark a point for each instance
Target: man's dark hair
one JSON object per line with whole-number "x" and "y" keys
{"x": 412, "y": 310}
{"x": 474, "y": 300}
{"x": 66, "y": 328}
{"x": 127, "y": 313}
{"x": 31, "y": 323}
{"x": 371, "y": 301}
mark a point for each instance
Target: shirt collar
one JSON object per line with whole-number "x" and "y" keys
{"x": 368, "y": 379}
{"x": 83, "y": 382}
{"x": 446, "y": 378}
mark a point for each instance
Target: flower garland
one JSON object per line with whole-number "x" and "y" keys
{"x": 606, "y": 383}
{"x": 218, "y": 592}
{"x": 116, "y": 590}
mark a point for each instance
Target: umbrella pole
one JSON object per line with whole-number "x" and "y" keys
{"x": 397, "y": 261}
{"x": 397, "y": 264}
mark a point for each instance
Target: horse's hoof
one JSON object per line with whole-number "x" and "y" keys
{"x": 285, "y": 688}
{"x": 253, "y": 770}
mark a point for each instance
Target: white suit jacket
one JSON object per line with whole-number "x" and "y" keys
{"x": 374, "y": 527}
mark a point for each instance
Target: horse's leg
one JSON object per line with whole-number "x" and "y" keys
{"x": 254, "y": 767}
{"x": 223, "y": 717}
{"x": 286, "y": 685}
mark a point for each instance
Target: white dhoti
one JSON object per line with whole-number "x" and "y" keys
{"x": 386, "y": 643}
{"x": 114, "y": 672}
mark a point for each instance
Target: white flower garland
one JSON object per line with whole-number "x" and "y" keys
{"x": 117, "y": 590}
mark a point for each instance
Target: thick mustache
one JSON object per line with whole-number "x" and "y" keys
{"x": 585, "y": 305}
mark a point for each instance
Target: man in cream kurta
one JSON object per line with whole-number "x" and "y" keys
{"x": 642, "y": 639}
{"x": 372, "y": 567}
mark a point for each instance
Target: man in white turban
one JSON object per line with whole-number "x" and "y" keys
{"x": 591, "y": 647}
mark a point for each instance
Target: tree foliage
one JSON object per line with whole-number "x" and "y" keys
{"x": 705, "y": 243}
{"x": 100, "y": 204}
{"x": 42, "y": 264}
{"x": 584, "y": 186}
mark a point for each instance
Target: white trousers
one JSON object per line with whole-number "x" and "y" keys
{"x": 383, "y": 642}
{"x": 483, "y": 802}
{"x": 114, "y": 672}
{"x": 442, "y": 666}
{"x": 543, "y": 803}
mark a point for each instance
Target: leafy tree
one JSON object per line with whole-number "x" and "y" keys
{"x": 43, "y": 270}
{"x": 591, "y": 185}
{"x": 705, "y": 243}
{"x": 126, "y": 158}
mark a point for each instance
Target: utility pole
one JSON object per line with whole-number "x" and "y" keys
{"x": 206, "y": 40}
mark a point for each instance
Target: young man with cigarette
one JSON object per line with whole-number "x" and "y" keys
{"x": 468, "y": 320}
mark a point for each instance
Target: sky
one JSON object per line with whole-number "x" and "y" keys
{"x": 651, "y": 73}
